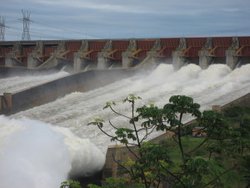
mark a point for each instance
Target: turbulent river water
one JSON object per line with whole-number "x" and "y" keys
{"x": 17, "y": 83}
{"x": 43, "y": 144}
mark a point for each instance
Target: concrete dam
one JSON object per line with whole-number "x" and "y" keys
{"x": 44, "y": 131}
{"x": 104, "y": 54}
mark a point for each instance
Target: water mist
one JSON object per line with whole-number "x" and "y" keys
{"x": 31, "y": 151}
{"x": 35, "y": 154}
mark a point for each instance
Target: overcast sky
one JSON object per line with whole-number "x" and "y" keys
{"x": 79, "y": 19}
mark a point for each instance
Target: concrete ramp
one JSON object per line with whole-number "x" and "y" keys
{"x": 84, "y": 81}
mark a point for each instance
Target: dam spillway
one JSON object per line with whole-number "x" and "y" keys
{"x": 216, "y": 85}
{"x": 62, "y": 122}
{"x": 104, "y": 54}
{"x": 91, "y": 55}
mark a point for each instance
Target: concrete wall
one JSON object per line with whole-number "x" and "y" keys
{"x": 50, "y": 91}
{"x": 117, "y": 153}
{"x": 1, "y": 103}
{"x": 243, "y": 101}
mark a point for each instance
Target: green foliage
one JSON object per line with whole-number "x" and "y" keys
{"x": 246, "y": 169}
{"x": 123, "y": 135}
{"x": 117, "y": 183}
{"x": 97, "y": 121}
{"x": 240, "y": 118}
{"x": 199, "y": 172}
{"x": 214, "y": 125}
{"x": 153, "y": 157}
{"x": 131, "y": 98}
{"x": 109, "y": 104}
{"x": 70, "y": 184}
{"x": 183, "y": 105}
{"x": 152, "y": 116}
{"x": 181, "y": 161}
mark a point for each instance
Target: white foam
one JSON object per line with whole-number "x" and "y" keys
{"x": 215, "y": 85}
{"x": 35, "y": 154}
{"x": 17, "y": 83}
{"x": 75, "y": 110}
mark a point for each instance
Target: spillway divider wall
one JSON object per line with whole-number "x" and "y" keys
{"x": 47, "y": 92}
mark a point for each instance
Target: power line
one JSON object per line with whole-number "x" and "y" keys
{"x": 51, "y": 31}
{"x": 26, "y": 25}
{"x": 73, "y": 31}
{"x": 2, "y": 28}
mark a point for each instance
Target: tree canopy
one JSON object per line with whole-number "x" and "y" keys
{"x": 183, "y": 160}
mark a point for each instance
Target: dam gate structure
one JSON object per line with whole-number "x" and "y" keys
{"x": 99, "y": 58}
{"x": 82, "y": 55}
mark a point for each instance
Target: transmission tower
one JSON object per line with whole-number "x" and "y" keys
{"x": 26, "y": 25}
{"x": 2, "y": 28}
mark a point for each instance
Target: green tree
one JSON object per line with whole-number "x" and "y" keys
{"x": 193, "y": 165}
{"x": 117, "y": 182}
{"x": 70, "y": 184}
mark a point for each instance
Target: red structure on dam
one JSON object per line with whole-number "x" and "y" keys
{"x": 103, "y": 54}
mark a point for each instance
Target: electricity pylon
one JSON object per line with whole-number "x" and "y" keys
{"x": 26, "y": 25}
{"x": 2, "y": 28}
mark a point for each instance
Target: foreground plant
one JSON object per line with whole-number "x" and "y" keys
{"x": 192, "y": 165}
{"x": 70, "y": 184}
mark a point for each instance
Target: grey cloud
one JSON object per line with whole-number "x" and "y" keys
{"x": 131, "y": 18}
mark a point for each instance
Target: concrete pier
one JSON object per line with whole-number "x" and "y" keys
{"x": 12, "y": 61}
{"x": 178, "y": 60}
{"x": 34, "y": 58}
{"x": 5, "y": 103}
{"x": 128, "y": 55}
{"x": 11, "y": 58}
{"x": 232, "y": 58}
{"x": 56, "y": 58}
{"x": 178, "y": 55}
{"x": 205, "y": 57}
{"x": 103, "y": 60}
{"x": 152, "y": 58}
{"x": 80, "y": 58}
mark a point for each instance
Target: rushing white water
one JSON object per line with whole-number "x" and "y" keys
{"x": 35, "y": 154}
{"x": 215, "y": 85}
{"x": 17, "y": 83}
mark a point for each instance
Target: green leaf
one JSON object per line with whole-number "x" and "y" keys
{"x": 124, "y": 134}
{"x": 70, "y": 184}
{"x": 131, "y": 98}
{"x": 97, "y": 122}
{"x": 182, "y": 104}
{"x": 109, "y": 104}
